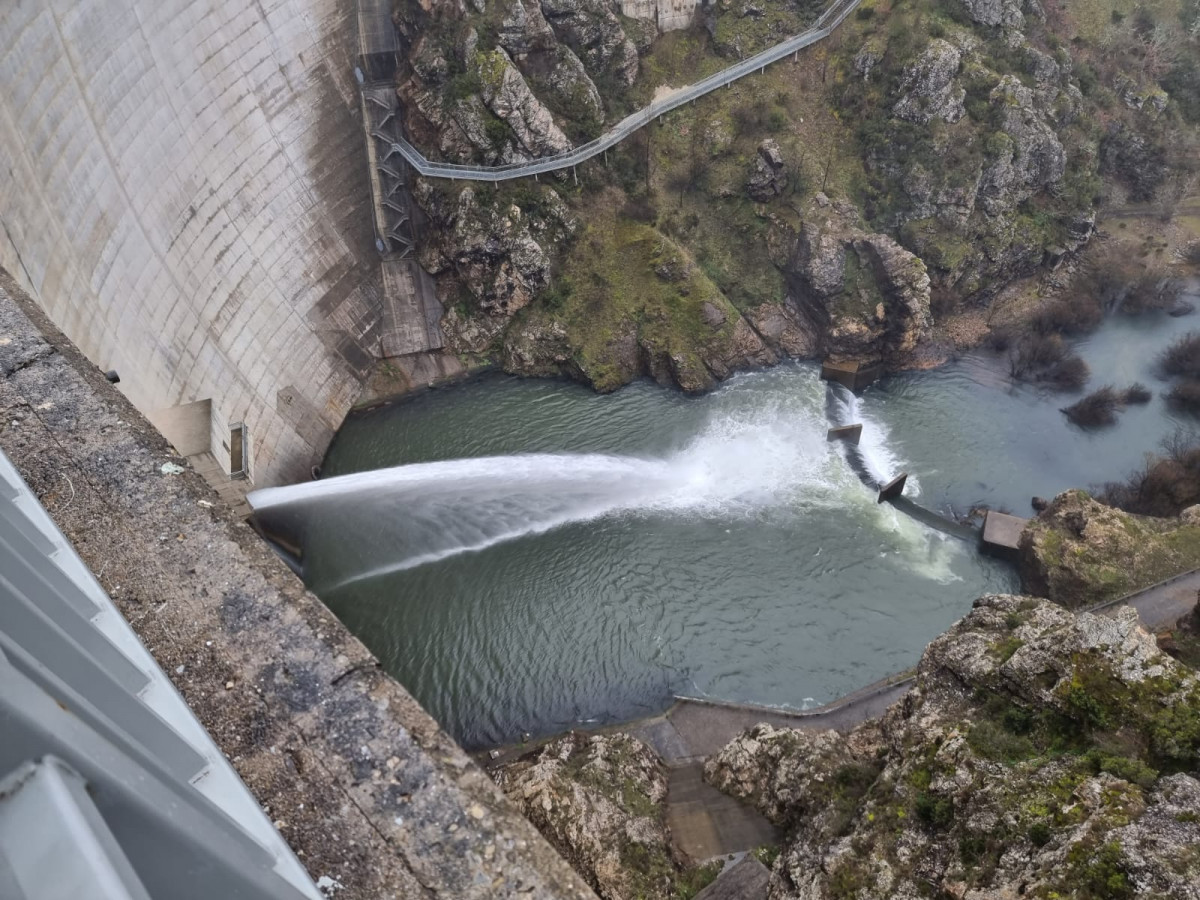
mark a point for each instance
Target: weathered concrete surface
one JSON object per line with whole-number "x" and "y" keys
{"x": 667, "y": 15}
{"x": 185, "y": 193}
{"x": 1001, "y": 531}
{"x": 706, "y": 823}
{"x": 364, "y": 785}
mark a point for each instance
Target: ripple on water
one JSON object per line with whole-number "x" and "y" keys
{"x": 716, "y": 546}
{"x": 735, "y": 555}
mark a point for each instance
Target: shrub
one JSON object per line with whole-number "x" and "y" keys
{"x": 1081, "y": 315}
{"x": 1185, "y": 396}
{"x": 993, "y": 742}
{"x": 1047, "y": 358}
{"x": 639, "y": 209}
{"x": 936, "y": 812}
{"x": 1136, "y": 394}
{"x": 1164, "y": 485}
{"x": 1151, "y": 293}
{"x": 1132, "y": 770}
{"x": 1175, "y": 733}
{"x": 1002, "y": 338}
{"x": 558, "y": 293}
{"x": 1098, "y": 872}
{"x": 1182, "y": 358}
{"x": 1097, "y": 408}
{"x": 1039, "y": 834}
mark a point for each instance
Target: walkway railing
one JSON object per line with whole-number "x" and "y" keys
{"x": 822, "y": 28}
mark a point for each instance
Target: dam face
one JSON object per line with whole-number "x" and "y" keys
{"x": 185, "y": 193}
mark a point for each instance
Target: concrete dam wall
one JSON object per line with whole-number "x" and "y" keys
{"x": 185, "y": 191}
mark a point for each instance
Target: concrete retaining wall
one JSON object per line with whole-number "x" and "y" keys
{"x": 185, "y": 193}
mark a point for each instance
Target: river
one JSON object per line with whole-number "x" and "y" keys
{"x": 528, "y": 556}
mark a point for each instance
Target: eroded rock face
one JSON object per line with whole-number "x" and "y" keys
{"x": 497, "y": 255}
{"x": 866, "y": 296}
{"x": 591, "y": 28}
{"x": 964, "y": 185}
{"x": 599, "y": 800}
{"x": 1006, "y": 13}
{"x": 504, "y": 91}
{"x": 928, "y": 90}
{"x": 557, "y": 75}
{"x": 1031, "y": 159}
{"x": 963, "y": 789}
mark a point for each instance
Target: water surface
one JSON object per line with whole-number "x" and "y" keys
{"x": 547, "y": 557}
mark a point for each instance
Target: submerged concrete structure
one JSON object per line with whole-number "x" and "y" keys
{"x": 186, "y": 193}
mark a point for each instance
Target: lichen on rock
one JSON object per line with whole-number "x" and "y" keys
{"x": 599, "y": 799}
{"x": 1041, "y": 753}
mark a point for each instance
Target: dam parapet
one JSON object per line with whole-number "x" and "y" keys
{"x": 366, "y": 788}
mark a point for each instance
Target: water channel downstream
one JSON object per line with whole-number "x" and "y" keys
{"x": 544, "y": 557}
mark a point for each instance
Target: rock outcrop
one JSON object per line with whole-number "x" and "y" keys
{"x": 769, "y": 177}
{"x": 591, "y": 29}
{"x": 866, "y": 297}
{"x": 968, "y": 145}
{"x": 504, "y": 92}
{"x": 1005, "y": 13}
{"x": 497, "y": 256}
{"x": 1080, "y": 551}
{"x": 929, "y": 90}
{"x": 599, "y": 799}
{"x": 1030, "y": 759}
{"x": 552, "y": 68}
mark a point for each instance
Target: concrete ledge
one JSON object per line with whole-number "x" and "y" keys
{"x": 851, "y": 434}
{"x": 851, "y": 374}
{"x": 363, "y": 784}
{"x": 1002, "y": 533}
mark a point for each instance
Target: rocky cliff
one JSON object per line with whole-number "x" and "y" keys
{"x": 848, "y": 203}
{"x": 599, "y": 799}
{"x": 1040, "y": 754}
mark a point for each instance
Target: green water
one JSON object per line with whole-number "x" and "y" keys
{"x": 548, "y": 557}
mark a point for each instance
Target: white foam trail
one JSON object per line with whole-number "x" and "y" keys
{"x": 759, "y": 451}
{"x": 874, "y": 446}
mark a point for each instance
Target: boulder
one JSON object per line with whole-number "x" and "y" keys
{"x": 769, "y": 177}
{"x": 866, "y": 297}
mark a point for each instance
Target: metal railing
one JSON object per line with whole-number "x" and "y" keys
{"x": 822, "y": 28}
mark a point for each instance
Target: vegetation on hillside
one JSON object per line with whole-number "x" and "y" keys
{"x": 984, "y": 150}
